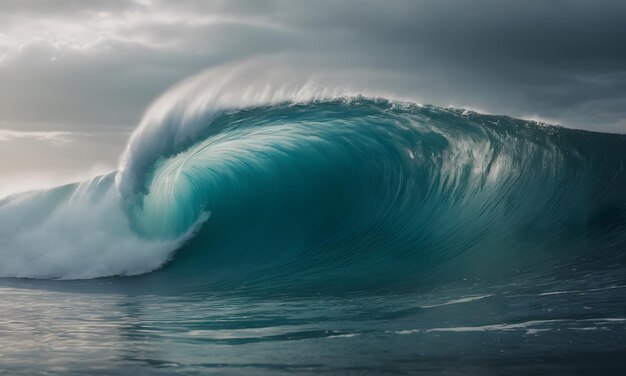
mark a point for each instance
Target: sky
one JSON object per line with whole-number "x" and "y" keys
{"x": 76, "y": 76}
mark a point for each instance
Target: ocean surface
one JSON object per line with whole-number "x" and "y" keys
{"x": 340, "y": 236}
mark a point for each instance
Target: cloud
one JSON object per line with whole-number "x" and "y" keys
{"x": 557, "y": 59}
{"x": 55, "y": 138}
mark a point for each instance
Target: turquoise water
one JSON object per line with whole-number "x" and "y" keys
{"x": 340, "y": 236}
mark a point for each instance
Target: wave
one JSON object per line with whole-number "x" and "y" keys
{"x": 307, "y": 188}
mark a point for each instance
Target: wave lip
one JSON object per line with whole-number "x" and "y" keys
{"x": 186, "y": 112}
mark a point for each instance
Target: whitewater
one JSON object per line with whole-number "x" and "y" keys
{"x": 313, "y": 219}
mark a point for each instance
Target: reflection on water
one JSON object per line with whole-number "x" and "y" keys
{"x": 514, "y": 327}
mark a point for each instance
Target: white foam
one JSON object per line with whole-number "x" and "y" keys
{"x": 83, "y": 235}
{"x": 581, "y": 291}
{"x": 466, "y": 299}
{"x": 529, "y": 327}
{"x": 244, "y": 333}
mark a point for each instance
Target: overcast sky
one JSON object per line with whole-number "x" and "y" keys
{"x": 76, "y": 76}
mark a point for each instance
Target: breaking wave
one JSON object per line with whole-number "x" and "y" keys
{"x": 301, "y": 186}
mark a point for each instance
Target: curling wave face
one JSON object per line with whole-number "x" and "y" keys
{"x": 348, "y": 191}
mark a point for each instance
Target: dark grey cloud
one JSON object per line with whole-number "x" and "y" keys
{"x": 83, "y": 66}
{"x": 558, "y": 59}
{"x": 553, "y": 59}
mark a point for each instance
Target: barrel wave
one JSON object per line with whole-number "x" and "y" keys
{"x": 347, "y": 192}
